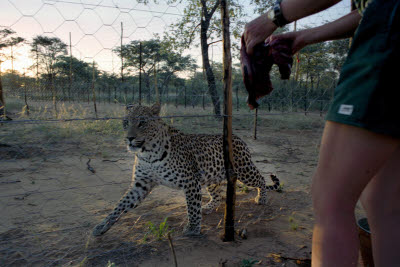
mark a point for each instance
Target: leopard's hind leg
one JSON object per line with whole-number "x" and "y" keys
{"x": 249, "y": 174}
{"x": 215, "y": 192}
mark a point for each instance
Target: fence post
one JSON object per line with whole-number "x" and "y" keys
{"x": 109, "y": 93}
{"x": 140, "y": 73}
{"x": 25, "y": 95}
{"x": 54, "y": 94}
{"x": 122, "y": 57}
{"x": 237, "y": 98}
{"x": 70, "y": 67}
{"x": 176, "y": 96}
{"x": 305, "y": 99}
{"x": 185, "y": 96}
{"x": 203, "y": 101}
{"x": 229, "y": 218}
{"x": 93, "y": 91}
{"x": 2, "y": 102}
{"x": 155, "y": 82}
{"x": 255, "y": 123}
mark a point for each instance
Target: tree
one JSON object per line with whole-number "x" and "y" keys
{"x": 202, "y": 19}
{"x": 82, "y": 71}
{"x": 154, "y": 54}
{"x": 6, "y": 40}
{"x": 338, "y": 50}
{"x": 47, "y": 51}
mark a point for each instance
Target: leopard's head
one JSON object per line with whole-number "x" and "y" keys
{"x": 143, "y": 127}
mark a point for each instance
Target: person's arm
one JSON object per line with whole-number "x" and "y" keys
{"x": 343, "y": 27}
{"x": 262, "y": 27}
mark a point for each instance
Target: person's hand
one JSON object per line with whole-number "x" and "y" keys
{"x": 256, "y": 31}
{"x": 298, "y": 39}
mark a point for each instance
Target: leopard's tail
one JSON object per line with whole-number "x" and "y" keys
{"x": 276, "y": 186}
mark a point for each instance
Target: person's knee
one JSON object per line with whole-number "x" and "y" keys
{"x": 332, "y": 202}
{"x": 381, "y": 204}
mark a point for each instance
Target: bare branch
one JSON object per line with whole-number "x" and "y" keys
{"x": 214, "y": 42}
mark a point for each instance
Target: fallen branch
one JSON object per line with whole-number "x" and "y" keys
{"x": 90, "y": 168}
{"x": 10, "y": 182}
{"x": 172, "y": 249}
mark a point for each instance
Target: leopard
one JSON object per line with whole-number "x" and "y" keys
{"x": 164, "y": 155}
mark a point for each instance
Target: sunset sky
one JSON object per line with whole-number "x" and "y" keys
{"x": 95, "y": 25}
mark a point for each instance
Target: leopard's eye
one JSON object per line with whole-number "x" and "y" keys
{"x": 140, "y": 125}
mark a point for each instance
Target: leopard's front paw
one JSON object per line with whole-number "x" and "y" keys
{"x": 192, "y": 230}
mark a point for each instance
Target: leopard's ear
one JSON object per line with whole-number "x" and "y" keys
{"x": 155, "y": 109}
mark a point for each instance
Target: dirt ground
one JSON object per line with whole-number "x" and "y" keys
{"x": 53, "y": 194}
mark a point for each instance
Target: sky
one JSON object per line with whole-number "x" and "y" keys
{"x": 95, "y": 26}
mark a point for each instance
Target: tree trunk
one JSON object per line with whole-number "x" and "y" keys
{"x": 212, "y": 88}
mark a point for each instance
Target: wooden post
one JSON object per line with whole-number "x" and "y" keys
{"x": 54, "y": 94}
{"x": 176, "y": 96}
{"x": 237, "y": 98}
{"x": 297, "y": 58}
{"x": 155, "y": 82}
{"x": 109, "y": 93}
{"x": 37, "y": 71}
{"x": 133, "y": 93}
{"x": 229, "y": 218}
{"x": 185, "y": 96}
{"x": 121, "y": 51}
{"x": 25, "y": 95}
{"x": 204, "y": 107}
{"x": 93, "y": 90}
{"x": 255, "y": 123}
{"x": 2, "y": 101}
{"x": 140, "y": 73}
{"x": 70, "y": 67}
{"x": 305, "y": 99}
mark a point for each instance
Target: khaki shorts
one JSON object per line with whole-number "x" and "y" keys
{"x": 368, "y": 92}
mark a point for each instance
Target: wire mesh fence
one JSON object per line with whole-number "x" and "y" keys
{"x": 68, "y": 68}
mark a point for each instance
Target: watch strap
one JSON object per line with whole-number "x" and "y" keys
{"x": 279, "y": 19}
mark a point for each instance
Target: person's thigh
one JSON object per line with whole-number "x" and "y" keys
{"x": 382, "y": 193}
{"x": 349, "y": 157}
{"x": 381, "y": 199}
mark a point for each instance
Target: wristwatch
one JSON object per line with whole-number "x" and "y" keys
{"x": 275, "y": 14}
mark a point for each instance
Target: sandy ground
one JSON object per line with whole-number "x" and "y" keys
{"x": 50, "y": 201}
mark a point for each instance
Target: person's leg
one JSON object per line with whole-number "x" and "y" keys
{"x": 381, "y": 200}
{"x": 349, "y": 158}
